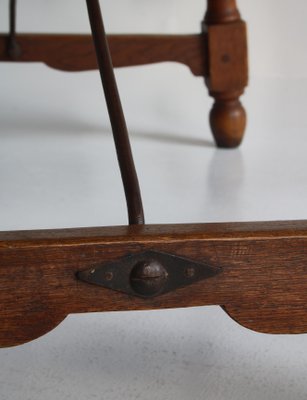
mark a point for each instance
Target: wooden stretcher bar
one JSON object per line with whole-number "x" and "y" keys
{"x": 256, "y": 271}
{"x": 262, "y": 282}
{"x": 73, "y": 52}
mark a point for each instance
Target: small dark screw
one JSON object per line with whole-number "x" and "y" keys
{"x": 109, "y": 276}
{"x": 190, "y": 272}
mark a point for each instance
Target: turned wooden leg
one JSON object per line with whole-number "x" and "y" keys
{"x": 227, "y": 70}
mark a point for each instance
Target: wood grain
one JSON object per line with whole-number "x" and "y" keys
{"x": 227, "y": 74}
{"x": 76, "y": 52}
{"x": 263, "y": 283}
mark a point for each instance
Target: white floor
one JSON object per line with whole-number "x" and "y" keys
{"x": 58, "y": 169}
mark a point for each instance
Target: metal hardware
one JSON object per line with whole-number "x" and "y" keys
{"x": 148, "y": 274}
{"x": 148, "y": 277}
{"x": 13, "y": 47}
{"x": 117, "y": 118}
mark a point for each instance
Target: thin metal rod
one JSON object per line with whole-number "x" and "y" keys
{"x": 13, "y": 47}
{"x": 12, "y": 17}
{"x": 120, "y": 132}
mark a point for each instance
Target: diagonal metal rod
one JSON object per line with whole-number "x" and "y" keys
{"x": 12, "y": 17}
{"x": 13, "y": 47}
{"x": 120, "y": 133}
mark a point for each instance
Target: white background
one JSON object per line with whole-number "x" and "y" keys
{"x": 58, "y": 169}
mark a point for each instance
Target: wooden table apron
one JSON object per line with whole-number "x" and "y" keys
{"x": 262, "y": 283}
{"x": 262, "y": 266}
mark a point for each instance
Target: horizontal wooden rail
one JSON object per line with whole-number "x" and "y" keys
{"x": 262, "y": 282}
{"x": 76, "y": 52}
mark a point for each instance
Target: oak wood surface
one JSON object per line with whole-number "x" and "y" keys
{"x": 76, "y": 52}
{"x": 218, "y": 53}
{"x": 227, "y": 74}
{"x": 262, "y": 284}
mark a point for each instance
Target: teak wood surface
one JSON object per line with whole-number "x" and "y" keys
{"x": 262, "y": 283}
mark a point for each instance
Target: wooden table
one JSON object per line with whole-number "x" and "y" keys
{"x": 255, "y": 271}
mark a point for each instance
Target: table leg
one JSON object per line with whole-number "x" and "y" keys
{"x": 227, "y": 70}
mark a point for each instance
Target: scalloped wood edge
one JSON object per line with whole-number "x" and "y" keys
{"x": 263, "y": 283}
